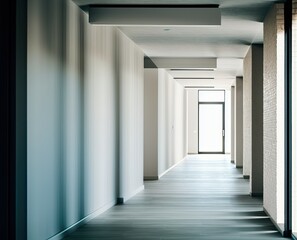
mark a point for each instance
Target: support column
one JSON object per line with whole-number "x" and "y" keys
{"x": 256, "y": 183}
{"x": 273, "y": 116}
{"x": 151, "y": 124}
{"x": 192, "y": 121}
{"x": 131, "y": 92}
{"x": 238, "y": 150}
{"x": 232, "y": 124}
{"x": 247, "y": 114}
{"x": 253, "y": 118}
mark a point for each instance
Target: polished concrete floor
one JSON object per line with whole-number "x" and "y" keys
{"x": 203, "y": 198}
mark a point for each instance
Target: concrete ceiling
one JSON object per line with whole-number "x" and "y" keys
{"x": 242, "y": 25}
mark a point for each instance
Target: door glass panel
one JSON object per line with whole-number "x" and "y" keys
{"x": 210, "y": 127}
{"x": 211, "y": 96}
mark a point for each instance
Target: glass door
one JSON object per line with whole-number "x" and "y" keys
{"x": 211, "y": 128}
{"x": 211, "y": 121}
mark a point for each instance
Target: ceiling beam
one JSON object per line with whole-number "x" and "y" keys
{"x": 194, "y": 78}
{"x": 171, "y": 63}
{"x": 197, "y": 87}
{"x": 138, "y": 15}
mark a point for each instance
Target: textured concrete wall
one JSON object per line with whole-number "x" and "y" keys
{"x": 273, "y": 113}
{"x": 238, "y": 114}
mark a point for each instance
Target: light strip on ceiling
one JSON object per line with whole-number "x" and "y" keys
{"x": 155, "y": 15}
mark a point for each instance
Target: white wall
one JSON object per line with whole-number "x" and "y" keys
{"x": 228, "y": 110}
{"x": 131, "y": 79}
{"x": 273, "y": 113}
{"x": 165, "y": 123}
{"x": 49, "y": 148}
{"x": 151, "y": 123}
{"x": 74, "y": 76}
{"x": 180, "y": 118}
{"x": 100, "y": 124}
{"x": 171, "y": 122}
{"x": 192, "y": 112}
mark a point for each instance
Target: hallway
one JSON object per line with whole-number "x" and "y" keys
{"x": 203, "y": 197}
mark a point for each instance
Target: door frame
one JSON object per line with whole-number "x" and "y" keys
{"x": 223, "y": 119}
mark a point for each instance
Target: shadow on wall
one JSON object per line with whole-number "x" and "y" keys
{"x": 48, "y": 147}
{"x": 73, "y": 113}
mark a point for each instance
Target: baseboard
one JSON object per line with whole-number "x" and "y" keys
{"x": 279, "y": 227}
{"x": 246, "y": 177}
{"x": 122, "y": 200}
{"x": 150, "y": 178}
{"x": 161, "y": 175}
{"x": 86, "y": 219}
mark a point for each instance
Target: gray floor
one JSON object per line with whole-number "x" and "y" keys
{"x": 201, "y": 198}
